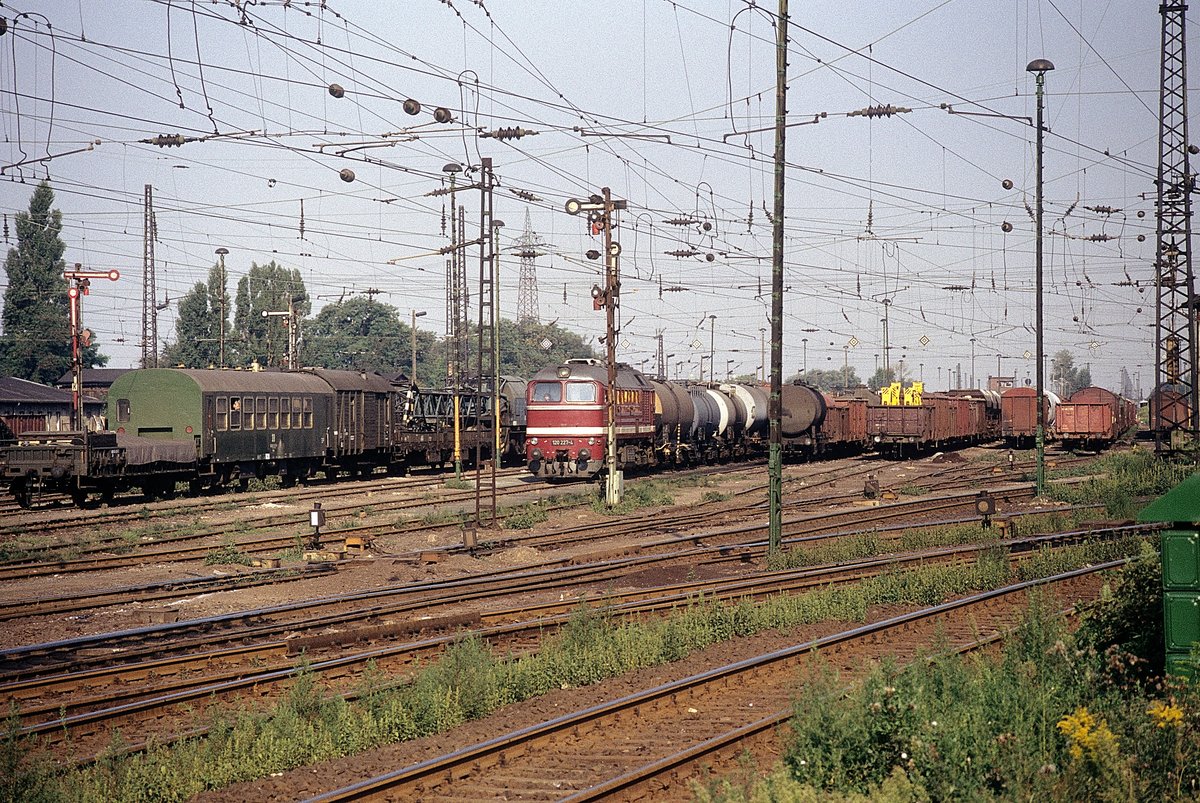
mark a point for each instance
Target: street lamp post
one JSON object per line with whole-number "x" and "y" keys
{"x": 221, "y": 252}
{"x": 973, "y": 383}
{"x": 712, "y": 343}
{"x": 413, "y": 332}
{"x": 762, "y": 351}
{"x": 1040, "y": 67}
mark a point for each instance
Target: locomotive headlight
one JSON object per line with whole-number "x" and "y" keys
{"x": 533, "y": 441}
{"x": 591, "y": 441}
{"x": 878, "y": 439}
{"x": 536, "y": 454}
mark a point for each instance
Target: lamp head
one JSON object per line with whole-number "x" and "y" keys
{"x": 1040, "y": 66}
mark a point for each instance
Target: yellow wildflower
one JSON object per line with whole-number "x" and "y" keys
{"x": 1086, "y": 735}
{"x": 1165, "y": 715}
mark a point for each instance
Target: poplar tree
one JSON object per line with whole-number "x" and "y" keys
{"x": 36, "y": 344}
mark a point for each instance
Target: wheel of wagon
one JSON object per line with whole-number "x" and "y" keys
{"x": 23, "y": 494}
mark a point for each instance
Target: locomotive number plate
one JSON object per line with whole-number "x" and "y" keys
{"x": 561, "y": 442}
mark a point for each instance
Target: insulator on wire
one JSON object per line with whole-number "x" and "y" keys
{"x": 508, "y": 133}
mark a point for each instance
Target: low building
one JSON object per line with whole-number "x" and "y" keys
{"x": 29, "y": 407}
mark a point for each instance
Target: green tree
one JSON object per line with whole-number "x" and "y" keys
{"x": 1065, "y": 378}
{"x": 523, "y": 350}
{"x": 363, "y": 334}
{"x": 267, "y": 288}
{"x": 36, "y": 341}
{"x": 828, "y": 380}
{"x": 198, "y": 327}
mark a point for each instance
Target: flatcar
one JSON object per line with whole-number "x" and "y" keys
{"x": 1093, "y": 418}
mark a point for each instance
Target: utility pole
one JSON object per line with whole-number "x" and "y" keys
{"x": 712, "y": 344}
{"x": 1175, "y": 346}
{"x": 78, "y": 282}
{"x": 221, "y": 252}
{"x": 413, "y": 332}
{"x": 775, "y": 405}
{"x": 1039, "y": 67}
{"x": 487, "y": 364}
{"x": 662, "y": 362}
{"x": 601, "y": 211}
{"x": 149, "y": 294}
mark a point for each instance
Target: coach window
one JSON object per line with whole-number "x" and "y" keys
{"x": 235, "y": 414}
{"x": 285, "y": 413}
{"x": 248, "y": 407}
{"x": 122, "y": 411}
{"x": 308, "y": 412}
{"x": 547, "y": 392}
{"x": 581, "y": 391}
{"x": 222, "y": 413}
{"x": 297, "y": 415}
{"x": 260, "y": 411}
{"x": 273, "y": 408}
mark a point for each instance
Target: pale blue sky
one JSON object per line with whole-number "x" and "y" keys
{"x": 673, "y": 79}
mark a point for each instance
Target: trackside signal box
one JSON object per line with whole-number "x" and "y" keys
{"x": 1179, "y": 509}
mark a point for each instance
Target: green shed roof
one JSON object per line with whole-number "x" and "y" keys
{"x": 1181, "y": 503}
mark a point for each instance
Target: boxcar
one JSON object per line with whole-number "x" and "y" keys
{"x": 1018, "y": 415}
{"x": 1093, "y": 418}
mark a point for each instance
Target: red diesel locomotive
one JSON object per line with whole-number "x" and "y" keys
{"x": 568, "y": 435}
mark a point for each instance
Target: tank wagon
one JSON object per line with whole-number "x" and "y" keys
{"x": 1093, "y": 418}
{"x": 814, "y": 423}
{"x": 216, "y": 428}
{"x": 1018, "y": 416}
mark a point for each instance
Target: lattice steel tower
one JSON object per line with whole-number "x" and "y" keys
{"x": 1175, "y": 352}
{"x": 149, "y": 294}
{"x": 528, "y": 249}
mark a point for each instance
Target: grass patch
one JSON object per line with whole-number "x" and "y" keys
{"x": 1125, "y": 476}
{"x": 1055, "y": 716}
{"x": 455, "y": 484}
{"x": 228, "y": 554}
{"x": 471, "y": 681}
{"x": 523, "y": 517}
{"x": 715, "y": 496}
{"x": 645, "y": 493}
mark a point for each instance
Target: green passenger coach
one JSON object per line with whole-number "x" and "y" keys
{"x": 244, "y": 423}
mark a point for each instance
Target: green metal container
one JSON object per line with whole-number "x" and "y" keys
{"x": 1182, "y": 664}
{"x": 1181, "y": 610}
{"x": 1181, "y": 560}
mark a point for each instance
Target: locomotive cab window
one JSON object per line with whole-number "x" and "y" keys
{"x": 547, "y": 392}
{"x": 581, "y": 391}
